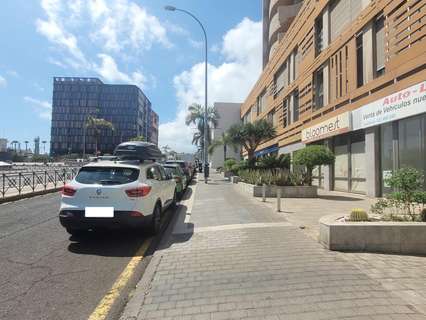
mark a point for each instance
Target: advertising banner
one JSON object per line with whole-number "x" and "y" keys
{"x": 402, "y": 104}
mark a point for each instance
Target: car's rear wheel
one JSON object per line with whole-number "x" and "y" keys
{"x": 156, "y": 220}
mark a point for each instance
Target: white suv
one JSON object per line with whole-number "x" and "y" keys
{"x": 111, "y": 194}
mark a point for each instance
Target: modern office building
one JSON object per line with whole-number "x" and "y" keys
{"x": 229, "y": 114}
{"x": 3, "y": 145}
{"x": 350, "y": 74}
{"x": 153, "y": 128}
{"x": 277, "y": 18}
{"x": 74, "y": 99}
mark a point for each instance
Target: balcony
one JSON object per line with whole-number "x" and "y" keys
{"x": 280, "y": 20}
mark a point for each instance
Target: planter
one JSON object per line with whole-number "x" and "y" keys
{"x": 235, "y": 179}
{"x": 385, "y": 237}
{"x": 227, "y": 174}
{"x": 286, "y": 191}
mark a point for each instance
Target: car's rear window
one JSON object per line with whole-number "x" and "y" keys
{"x": 181, "y": 164}
{"x": 107, "y": 175}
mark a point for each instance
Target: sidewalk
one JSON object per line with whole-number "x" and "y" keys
{"x": 232, "y": 257}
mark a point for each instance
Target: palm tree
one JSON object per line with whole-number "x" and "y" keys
{"x": 26, "y": 146}
{"x": 251, "y": 135}
{"x": 44, "y": 146}
{"x": 14, "y": 144}
{"x": 97, "y": 124}
{"x": 196, "y": 116}
{"x": 224, "y": 141}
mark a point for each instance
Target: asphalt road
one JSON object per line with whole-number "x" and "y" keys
{"x": 45, "y": 274}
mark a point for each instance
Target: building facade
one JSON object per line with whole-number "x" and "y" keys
{"x": 229, "y": 114}
{"x": 74, "y": 99}
{"x": 153, "y": 128}
{"x": 350, "y": 74}
{"x": 3, "y": 145}
{"x": 277, "y": 18}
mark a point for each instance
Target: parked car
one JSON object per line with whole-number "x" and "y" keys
{"x": 111, "y": 194}
{"x": 185, "y": 167}
{"x": 177, "y": 173}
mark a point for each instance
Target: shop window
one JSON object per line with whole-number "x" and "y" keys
{"x": 379, "y": 46}
{"x": 319, "y": 88}
{"x": 359, "y": 62}
{"x": 411, "y": 139}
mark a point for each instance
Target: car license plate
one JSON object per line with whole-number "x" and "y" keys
{"x": 99, "y": 212}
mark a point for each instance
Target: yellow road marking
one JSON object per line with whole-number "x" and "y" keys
{"x": 107, "y": 301}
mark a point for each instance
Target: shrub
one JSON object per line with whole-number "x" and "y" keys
{"x": 423, "y": 215}
{"x": 408, "y": 200}
{"x": 275, "y": 162}
{"x": 312, "y": 156}
{"x": 278, "y": 177}
{"x": 229, "y": 163}
{"x": 358, "y": 215}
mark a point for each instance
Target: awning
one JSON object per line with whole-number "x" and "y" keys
{"x": 273, "y": 148}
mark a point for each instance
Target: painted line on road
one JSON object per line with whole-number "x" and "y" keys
{"x": 104, "y": 306}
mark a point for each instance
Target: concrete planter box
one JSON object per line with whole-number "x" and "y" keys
{"x": 286, "y": 192}
{"x": 235, "y": 179}
{"x": 386, "y": 237}
{"x": 227, "y": 174}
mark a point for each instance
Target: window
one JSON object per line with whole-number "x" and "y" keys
{"x": 359, "y": 62}
{"x": 281, "y": 78}
{"x": 342, "y": 13}
{"x": 319, "y": 37}
{"x": 286, "y": 113}
{"x": 379, "y": 46}
{"x": 153, "y": 173}
{"x": 296, "y": 105}
{"x": 296, "y": 62}
{"x": 319, "y": 88}
{"x": 261, "y": 102}
{"x": 271, "y": 117}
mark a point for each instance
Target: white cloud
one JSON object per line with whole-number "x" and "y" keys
{"x": 108, "y": 70}
{"x": 118, "y": 29}
{"x": 13, "y": 73}
{"x": 229, "y": 82}
{"x": 43, "y": 108}
{"x": 3, "y": 82}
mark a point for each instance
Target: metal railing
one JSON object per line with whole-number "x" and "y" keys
{"x": 33, "y": 181}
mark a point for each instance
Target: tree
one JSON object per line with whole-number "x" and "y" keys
{"x": 251, "y": 135}
{"x": 97, "y": 124}
{"x": 224, "y": 141}
{"x": 196, "y": 116}
{"x": 312, "y": 156}
{"x": 138, "y": 138}
{"x": 281, "y": 161}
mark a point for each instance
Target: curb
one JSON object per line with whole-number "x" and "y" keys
{"x": 28, "y": 195}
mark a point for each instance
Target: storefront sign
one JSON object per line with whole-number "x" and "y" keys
{"x": 331, "y": 127}
{"x": 402, "y": 104}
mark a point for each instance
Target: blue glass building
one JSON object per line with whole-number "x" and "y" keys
{"x": 74, "y": 99}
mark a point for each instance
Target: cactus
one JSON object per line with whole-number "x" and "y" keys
{"x": 358, "y": 215}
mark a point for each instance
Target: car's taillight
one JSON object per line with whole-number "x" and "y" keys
{"x": 140, "y": 191}
{"x": 68, "y": 191}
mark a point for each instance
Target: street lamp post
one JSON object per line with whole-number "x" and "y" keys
{"x": 206, "y": 165}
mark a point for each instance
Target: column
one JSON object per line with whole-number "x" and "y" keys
{"x": 328, "y": 170}
{"x": 372, "y": 155}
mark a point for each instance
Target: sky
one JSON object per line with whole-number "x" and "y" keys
{"x": 125, "y": 41}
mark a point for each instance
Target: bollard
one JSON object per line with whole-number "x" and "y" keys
{"x": 264, "y": 192}
{"x": 278, "y": 199}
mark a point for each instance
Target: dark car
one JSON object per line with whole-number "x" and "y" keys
{"x": 184, "y": 166}
{"x": 177, "y": 173}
